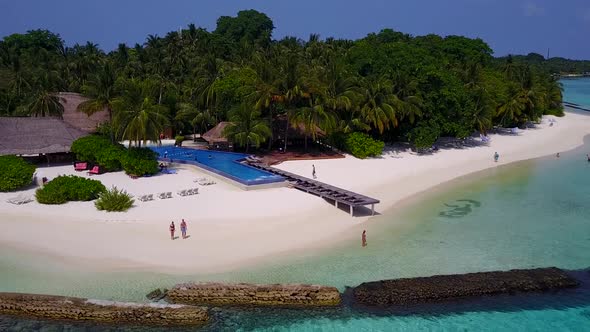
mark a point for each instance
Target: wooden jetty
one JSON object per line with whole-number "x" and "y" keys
{"x": 323, "y": 190}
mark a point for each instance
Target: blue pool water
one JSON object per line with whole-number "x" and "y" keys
{"x": 577, "y": 91}
{"x": 223, "y": 163}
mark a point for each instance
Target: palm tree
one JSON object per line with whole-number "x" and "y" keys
{"x": 100, "y": 90}
{"x": 43, "y": 101}
{"x": 200, "y": 119}
{"x": 512, "y": 109}
{"x": 315, "y": 117}
{"x": 246, "y": 127}
{"x": 378, "y": 104}
{"x": 137, "y": 118}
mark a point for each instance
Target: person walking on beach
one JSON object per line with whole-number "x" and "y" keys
{"x": 183, "y": 228}
{"x": 496, "y": 156}
{"x": 172, "y": 229}
{"x": 313, "y": 171}
{"x": 364, "y": 238}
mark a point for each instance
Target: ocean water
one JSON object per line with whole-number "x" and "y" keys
{"x": 525, "y": 215}
{"x": 577, "y": 91}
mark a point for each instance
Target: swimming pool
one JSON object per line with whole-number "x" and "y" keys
{"x": 226, "y": 164}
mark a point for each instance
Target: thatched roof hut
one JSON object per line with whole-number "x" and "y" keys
{"x": 78, "y": 119}
{"x": 215, "y": 134}
{"x": 20, "y": 136}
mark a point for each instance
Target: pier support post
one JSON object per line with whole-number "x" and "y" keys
{"x": 351, "y": 211}
{"x": 336, "y": 203}
{"x": 373, "y": 209}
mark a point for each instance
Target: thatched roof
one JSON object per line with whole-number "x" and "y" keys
{"x": 215, "y": 134}
{"x": 78, "y": 119}
{"x": 36, "y": 135}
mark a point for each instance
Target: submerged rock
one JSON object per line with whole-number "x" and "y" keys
{"x": 157, "y": 294}
{"x": 445, "y": 287}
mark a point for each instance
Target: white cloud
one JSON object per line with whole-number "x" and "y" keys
{"x": 531, "y": 9}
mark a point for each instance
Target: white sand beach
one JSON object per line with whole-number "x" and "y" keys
{"x": 230, "y": 227}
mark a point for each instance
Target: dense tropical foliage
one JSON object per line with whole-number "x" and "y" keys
{"x": 98, "y": 150}
{"x": 16, "y": 173}
{"x": 388, "y": 85}
{"x": 66, "y": 188}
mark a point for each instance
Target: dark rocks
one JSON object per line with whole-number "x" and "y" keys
{"x": 440, "y": 288}
{"x": 290, "y": 295}
{"x": 77, "y": 309}
{"x": 157, "y": 294}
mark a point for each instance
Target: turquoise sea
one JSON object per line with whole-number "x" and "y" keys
{"x": 529, "y": 214}
{"x": 577, "y": 91}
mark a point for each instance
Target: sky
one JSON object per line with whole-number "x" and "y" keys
{"x": 508, "y": 26}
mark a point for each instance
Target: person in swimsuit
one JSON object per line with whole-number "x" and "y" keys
{"x": 172, "y": 229}
{"x": 183, "y": 228}
{"x": 364, "y": 238}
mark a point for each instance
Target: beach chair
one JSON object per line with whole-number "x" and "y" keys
{"x": 183, "y": 192}
{"x": 20, "y": 199}
{"x": 149, "y": 197}
{"x": 169, "y": 194}
{"x": 94, "y": 171}
{"x": 162, "y": 195}
{"x": 141, "y": 198}
{"x": 80, "y": 166}
{"x": 194, "y": 191}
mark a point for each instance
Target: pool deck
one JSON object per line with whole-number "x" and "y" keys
{"x": 323, "y": 190}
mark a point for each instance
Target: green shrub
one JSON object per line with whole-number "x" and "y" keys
{"x": 65, "y": 188}
{"x": 557, "y": 112}
{"x": 178, "y": 140}
{"x": 362, "y": 145}
{"x": 114, "y": 200}
{"x": 15, "y": 173}
{"x": 87, "y": 148}
{"x": 140, "y": 162}
{"x": 423, "y": 137}
{"x": 109, "y": 158}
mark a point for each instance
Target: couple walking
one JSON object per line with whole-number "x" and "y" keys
{"x": 182, "y": 229}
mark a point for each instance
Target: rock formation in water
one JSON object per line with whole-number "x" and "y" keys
{"x": 221, "y": 294}
{"x": 70, "y": 308}
{"x": 445, "y": 287}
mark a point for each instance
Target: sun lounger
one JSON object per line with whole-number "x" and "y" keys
{"x": 194, "y": 191}
{"x": 162, "y": 195}
{"x": 20, "y": 199}
{"x": 206, "y": 182}
{"x": 169, "y": 194}
{"x": 80, "y": 166}
{"x": 150, "y": 197}
{"x": 142, "y": 198}
{"x": 183, "y": 192}
{"x": 94, "y": 171}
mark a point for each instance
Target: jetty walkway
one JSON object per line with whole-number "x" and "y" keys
{"x": 323, "y": 190}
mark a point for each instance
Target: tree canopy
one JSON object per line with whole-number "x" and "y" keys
{"x": 388, "y": 85}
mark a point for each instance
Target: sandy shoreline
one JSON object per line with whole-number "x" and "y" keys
{"x": 230, "y": 227}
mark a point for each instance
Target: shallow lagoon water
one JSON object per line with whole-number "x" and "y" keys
{"x": 526, "y": 215}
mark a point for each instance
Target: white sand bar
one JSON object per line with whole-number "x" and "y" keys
{"x": 230, "y": 227}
